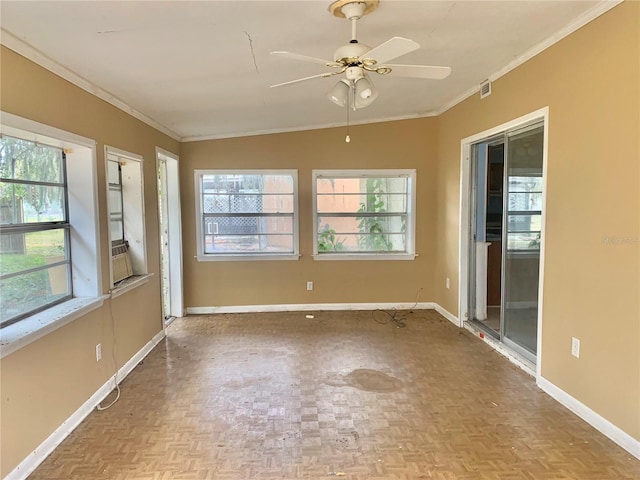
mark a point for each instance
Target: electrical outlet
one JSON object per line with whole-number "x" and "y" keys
{"x": 98, "y": 352}
{"x": 309, "y": 285}
{"x": 448, "y": 283}
{"x": 575, "y": 347}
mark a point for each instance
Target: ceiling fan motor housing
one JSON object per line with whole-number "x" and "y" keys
{"x": 349, "y": 54}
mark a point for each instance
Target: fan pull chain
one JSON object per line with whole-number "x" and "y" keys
{"x": 348, "y": 107}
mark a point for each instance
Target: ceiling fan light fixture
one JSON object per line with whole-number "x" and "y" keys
{"x": 365, "y": 92}
{"x": 339, "y": 94}
{"x": 364, "y": 88}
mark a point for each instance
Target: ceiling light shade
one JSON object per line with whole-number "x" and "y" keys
{"x": 365, "y": 92}
{"x": 339, "y": 94}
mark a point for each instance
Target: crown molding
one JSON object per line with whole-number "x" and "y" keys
{"x": 19, "y": 46}
{"x": 22, "y": 48}
{"x": 597, "y": 10}
{"x": 199, "y": 138}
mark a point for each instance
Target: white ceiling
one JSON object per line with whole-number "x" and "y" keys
{"x": 202, "y": 69}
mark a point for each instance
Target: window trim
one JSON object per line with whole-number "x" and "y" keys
{"x": 86, "y": 268}
{"x": 25, "y": 228}
{"x": 134, "y": 223}
{"x": 411, "y": 176}
{"x": 210, "y": 257}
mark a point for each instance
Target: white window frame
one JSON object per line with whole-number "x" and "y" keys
{"x": 208, "y": 257}
{"x": 132, "y": 178}
{"x": 409, "y": 174}
{"x": 86, "y": 273}
{"x": 23, "y": 228}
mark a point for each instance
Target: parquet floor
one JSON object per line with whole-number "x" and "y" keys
{"x": 280, "y": 396}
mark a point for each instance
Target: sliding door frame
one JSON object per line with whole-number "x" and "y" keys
{"x": 465, "y": 239}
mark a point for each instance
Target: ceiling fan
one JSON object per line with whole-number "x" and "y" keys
{"x": 357, "y": 60}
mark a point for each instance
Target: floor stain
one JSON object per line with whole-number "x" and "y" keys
{"x": 365, "y": 379}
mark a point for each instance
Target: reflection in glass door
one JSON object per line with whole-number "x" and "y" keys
{"x": 522, "y": 236}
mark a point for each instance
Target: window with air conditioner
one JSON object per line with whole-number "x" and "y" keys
{"x": 126, "y": 215}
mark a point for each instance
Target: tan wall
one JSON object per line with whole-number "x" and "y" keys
{"x": 406, "y": 144}
{"x": 590, "y": 82}
{"x": 48, "y": 380}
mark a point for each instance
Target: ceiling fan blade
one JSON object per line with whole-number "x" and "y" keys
{"x": 304, "y": 58}
{"x": 320, "y": 75}
{"x": 392, "y": 48}
{"x": 419, "y": 71}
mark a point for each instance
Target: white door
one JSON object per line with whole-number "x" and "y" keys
{"x": 170, "y": 235}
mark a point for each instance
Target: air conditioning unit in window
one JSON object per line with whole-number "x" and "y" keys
{"x": 121, "y": 262}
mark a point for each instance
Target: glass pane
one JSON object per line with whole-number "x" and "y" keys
{"x": 22, "y": 251}
{"x": 521, "y": 299}
{"x": 369, "y": 233}
{"x": 525, "y": 202}
{"x": 248, "y": 225}
{"x": 25, "y": 160}
{"x": 331, "y": 242}
{"x": 351, "y": 195}
{"x": 361, "y": 202}
{"x": 525, "y": 153}
{"x": 525, "y": 184}
{"x": 522, "y": 257}
{"x": 248, "y": 244}
{"x": 524, "y": 223}
{"x": 364, "y": 224}
{"x": 115, "y": 200}
{"x": 112, "y": 172}
{"x": 277, "y": 203}
{"x": 523, "y": 241}
{"x": 21, "y": 203}
{"x": 362, "y": 185}
{"x": 237, "y": 184}
{"x": 24, "y": 293}
{"x": 117, "y": 231}
{"x": 233, "y": 203}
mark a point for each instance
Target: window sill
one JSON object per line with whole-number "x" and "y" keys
{"x": 22, "y": 333}
{"x": 129, "y": 284}
{"x": 245, "y": 258}
{"x": 364, "y": 256}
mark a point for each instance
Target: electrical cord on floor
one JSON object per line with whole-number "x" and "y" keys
{"x": 394, "y": 315}
{"x": 100, "y": 408}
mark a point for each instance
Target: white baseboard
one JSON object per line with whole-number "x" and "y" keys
{"x": 326, "y": 306}
{"x": 298, "y": 307}
{"x": 598, "y": 422}
{"x": 35, "y": 458}
{"x": 448, "y": 315}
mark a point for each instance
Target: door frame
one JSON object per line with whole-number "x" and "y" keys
{"x": 465, "y": 198}
{"x": 176, "y": 298}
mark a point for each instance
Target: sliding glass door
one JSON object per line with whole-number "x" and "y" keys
{"x": 506, "y": 227}
{"x": 521, "y": 238}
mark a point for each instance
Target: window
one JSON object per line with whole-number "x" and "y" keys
{"x": 116, "y": 216}
{"x": 126, "y": 215}
{"x": 71, "y": 258}
{"x": 525, "y": 213}
{"x": 364, "y": 214}
{"x": 247, "y": 215}
{"x": 35, "y": 256}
